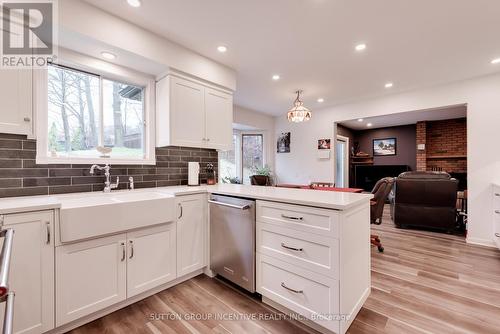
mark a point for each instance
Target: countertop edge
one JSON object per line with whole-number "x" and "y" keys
{"x": 51, "y": 202}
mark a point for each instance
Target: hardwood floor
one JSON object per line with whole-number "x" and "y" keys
{"x": 424, "y": 282}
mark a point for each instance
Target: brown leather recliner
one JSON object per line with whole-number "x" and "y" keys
{"x": 425, "y": 199}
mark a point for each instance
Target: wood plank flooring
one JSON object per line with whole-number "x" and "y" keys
{"x": 424, "y": 282}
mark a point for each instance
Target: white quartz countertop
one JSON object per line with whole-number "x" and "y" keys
{"x": 28, "y": 203}
{"x": 316, "y": 198}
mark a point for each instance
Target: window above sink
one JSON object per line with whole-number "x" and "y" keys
{"x": 90, "y": 111}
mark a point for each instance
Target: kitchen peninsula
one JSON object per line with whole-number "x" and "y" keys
{"x": 324, "y": 277}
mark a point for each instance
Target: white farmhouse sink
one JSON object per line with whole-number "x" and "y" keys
{"x": 91, "y": 215}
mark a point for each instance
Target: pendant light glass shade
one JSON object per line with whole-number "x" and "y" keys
{"x": 298, "y": 113}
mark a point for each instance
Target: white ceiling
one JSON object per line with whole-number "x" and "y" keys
{"x": 310, "y": 43}
{"x": 405, "y": 118}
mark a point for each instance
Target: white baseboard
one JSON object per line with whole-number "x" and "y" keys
{"x": 481, "y": 242}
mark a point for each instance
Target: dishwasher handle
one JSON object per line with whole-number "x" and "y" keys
{"x": 239, "y": 207}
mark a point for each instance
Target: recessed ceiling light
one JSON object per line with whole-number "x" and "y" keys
{"x": 360, "y": 120}
{"x": 369, "y": 124}
{"x": 389, "y": 85}
{"x": 495, "y": 61}
{"x": 221, "y": 48}
{"x": 360, "y": 47}
{"x": 108, "y": 55}
{"x": 321, "y": 100}
{"x": 276, "y": 77}
{"x": 134, "y": 3}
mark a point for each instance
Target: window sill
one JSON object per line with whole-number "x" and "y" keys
{"x": 87, "y": 161}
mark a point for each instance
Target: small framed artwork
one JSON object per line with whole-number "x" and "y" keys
{"x": 283, "y": 144}
{"x": 324, "y": 144}
{"x": 384, "y": 146}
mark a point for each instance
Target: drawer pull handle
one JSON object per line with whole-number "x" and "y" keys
{"x": 497, "y": 194}
{"x": 123, "y": 251}
{"x": 497, "y": 211}
{"x": 497, "y": 235}
{"x": 283, "y": 285}
{"x": 131, "y": 249}
{"x": 292, "y": 218}
{"x": 47, "y": 226}
{"x": 292, "y": 248}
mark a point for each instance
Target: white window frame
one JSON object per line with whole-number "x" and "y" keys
{"x": 106, "y": 71}
{"x": 238, "y": 151}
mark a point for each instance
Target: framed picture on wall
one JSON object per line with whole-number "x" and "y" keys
{"x": 384, "y": 146}
{"x": 283, "y": 143}
{"x": 324, "y": 144}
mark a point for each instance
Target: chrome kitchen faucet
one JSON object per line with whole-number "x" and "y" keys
{"x": 107, "y": 184}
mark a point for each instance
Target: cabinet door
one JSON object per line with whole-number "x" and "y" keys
{"x": 191, "y": 233}
{"x": 187, "y": 113}
{"x": 16, "y": 94}
{"x": 32, "y": 271}
{"x": 219, "y": 119}
{"x": 90, "y": 276}
{"x": 151, "y": 258}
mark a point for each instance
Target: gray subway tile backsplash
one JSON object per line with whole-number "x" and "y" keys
{"x": 21, "y": 176}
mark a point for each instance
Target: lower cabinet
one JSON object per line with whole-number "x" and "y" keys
{"x": 90, "y": 276}
{"x": 96, "y": 274}
{"x": 32, "y": 271}
{"x": 192, "y": 232}
{"x": 151, "y": 258}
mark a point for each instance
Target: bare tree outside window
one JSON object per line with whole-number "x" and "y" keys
{"x": 76, "y": 123}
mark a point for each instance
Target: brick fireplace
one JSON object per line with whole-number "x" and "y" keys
{"x": 445, "y": 143}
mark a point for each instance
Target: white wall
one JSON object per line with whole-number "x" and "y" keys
{"x": 258, "y": 121}
{"x": 81, "y": 18}
{"x": 482, "y": 96}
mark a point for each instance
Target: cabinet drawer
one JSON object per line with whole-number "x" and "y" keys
{"x": 301, "y": 218}
{"x": 309, "y": 294}
{"x": 310, "y": 251}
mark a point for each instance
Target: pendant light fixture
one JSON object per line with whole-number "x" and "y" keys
{"x": 298, "y": 113}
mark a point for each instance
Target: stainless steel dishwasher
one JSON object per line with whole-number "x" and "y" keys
{"x": 232, "y": 239}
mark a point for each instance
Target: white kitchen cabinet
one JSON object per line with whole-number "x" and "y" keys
{"x": 90, "y": 276}
{"x": 189, "y": 123}
{"x": 218, "y": 114}
{"x": 150, "y": 258}
{"x": 16, "y": 95}
{"x": 191, "y": 233}
{"x": 191, "y": 113}
{"x": 313, "y": 261}
{"x": 32, "y": 271}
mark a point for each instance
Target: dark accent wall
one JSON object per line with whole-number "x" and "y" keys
{"x": 406, "y": 149}
{"x": 21, "y": 176}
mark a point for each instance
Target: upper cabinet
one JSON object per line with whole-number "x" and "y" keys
{"x": 192, "y": 114}
{"x": 16, "y": 95}
{"x": 218, "y": 119}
